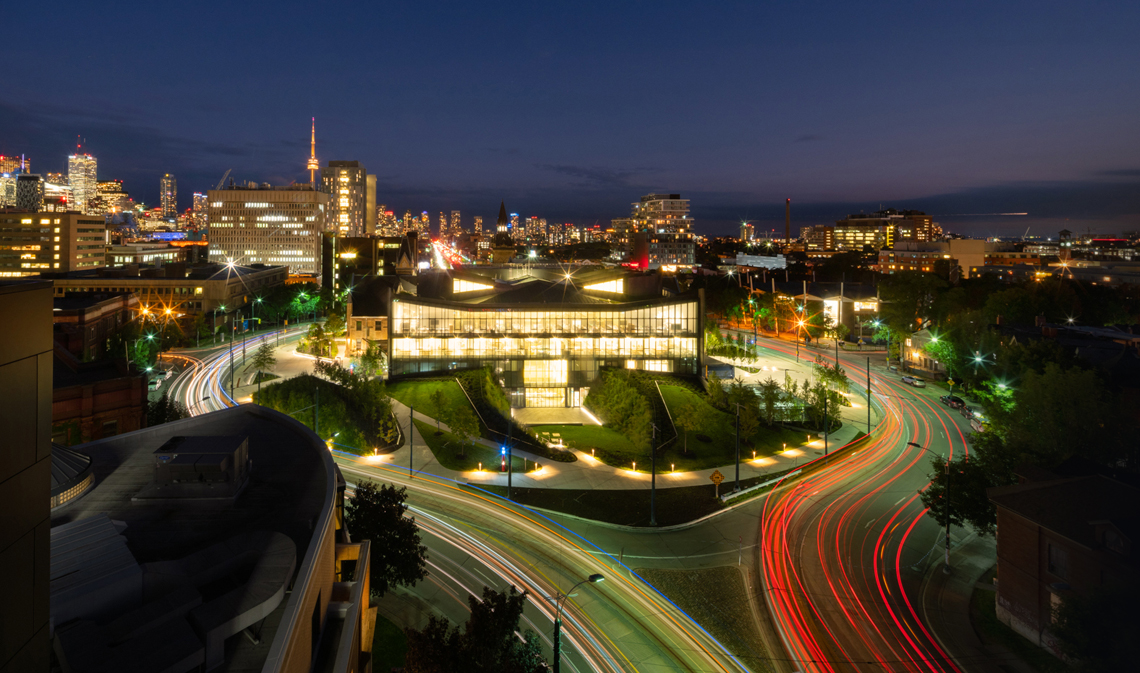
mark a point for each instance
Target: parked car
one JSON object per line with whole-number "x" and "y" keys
{"x": 977, "y": 424}
{"x": 154, "y": 384}
{"x": 968, "y": 412}
{"x": 952, "y": 401}
{"x": 914, "y": 381}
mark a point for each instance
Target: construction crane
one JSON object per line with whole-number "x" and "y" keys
{"x": 223, "y": 180}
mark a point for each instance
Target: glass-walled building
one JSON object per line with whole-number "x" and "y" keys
{"x": 546, "y": 354}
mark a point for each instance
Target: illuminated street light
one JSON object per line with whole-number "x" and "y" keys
{"x": 593, "y": 579}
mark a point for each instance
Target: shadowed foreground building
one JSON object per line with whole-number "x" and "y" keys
{"x": 214, "y": 543}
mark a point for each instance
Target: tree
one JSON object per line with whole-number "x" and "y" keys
{"x": 831, "y": 374}
{"x": 164, "y": 410}
{"x": 907, "y": 300}
{"x": 439, "y": 401}
{"x": 263, "y": 359}
{"x": 1098, "y": 630}
{"x": 372, "y": 360}
{"x": 487, "y": 642}
{"x": 464, "y": 426}
{"x": 749, "y": 421}
{"x": 688, "y": 418}
{"x": 968, "y": 503}
{"x": 769, "y": 400}
{"x": 377, "y": 513}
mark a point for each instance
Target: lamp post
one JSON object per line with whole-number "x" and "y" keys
{"x": 593, "y": 579}
{"x": 945, "y": 568}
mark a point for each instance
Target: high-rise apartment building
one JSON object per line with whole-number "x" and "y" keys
{"x": 443, "y": 231}
{"x": 517, "y": 232}
{"x": 346, "y": 183}
{"x": 169, "y": 196}
{"x": 35, "y": 242}
{"x": 478, "y": 225}
{"x": 818, "y": 237}
{"x": 29, "y": 192}
{"x": 456, "y": 228}
{"x": 747, "y": 232}
{"x": 371, "y": 215}
{"x": 881, "y": 229}
{"x": 660, "y": 231}
{"x": 110, "y": 197}
{"x": 20, "y": 164}
{"x": 200, "y": 217}
{"x": 81, "y": 172}
{"x": 7, "y": 190}
{"x": 268, "y": 225}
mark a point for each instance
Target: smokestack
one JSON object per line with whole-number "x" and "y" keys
{"x": 788, "y": 222}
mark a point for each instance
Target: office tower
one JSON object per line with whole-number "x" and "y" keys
{"x": 49, "y": 241}
{"x": 56, "y": 178}
{"x": 456, "y": 229}
{"x": 424, "y": 226}
{"x": 110, "y": 197}
{"x": 881, "y": 229}
{"x": 371, "y": 215}
{"x": 313, "y": 164}
{"x": 479, "y": 225}
{"x": 661, "y": 231}
{"x": 530, "y": 229}
{"x": 84, "y": 186}
{"x": 746, "y": 233}
{"x": 169, "y": 196}
{"x": 268, "y": 225}
{"x": 25, "y": 474}
{"x": 13, "y": 164}
{"x": 409, "y": 223}
{"x": 517, "y": 232}
{"x": 7, "y": 190}
{"x": 29, "y": 192}
{"x": 346, "y": 184}
{"x": 57, "y": 195}
{"x": 443, "y": 232}
{"x": 201, "y": 211}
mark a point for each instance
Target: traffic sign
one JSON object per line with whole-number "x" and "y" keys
{"x": 951, "y": 382}
{"x": 716, "y": 477}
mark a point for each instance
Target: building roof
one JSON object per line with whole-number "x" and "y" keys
{"x": 503, "y": 213}
{"x": 68, "y": 468}
{"x": 1071, "y": 507}
{"x": 537, "y": 286}
{"x": 80, "y": 301}
{"x": 370, "y": 297}
{"x": 823, "y": 291}
{"x": 197, "y": 564}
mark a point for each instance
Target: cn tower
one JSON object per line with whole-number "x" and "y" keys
{"x": 314, "y": 165}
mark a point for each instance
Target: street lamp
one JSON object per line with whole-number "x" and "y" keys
{"x": 945, "y": 568}
{"x": 593, "y": 579}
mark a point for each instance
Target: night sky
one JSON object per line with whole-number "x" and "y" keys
{"x": 572, "y": 111}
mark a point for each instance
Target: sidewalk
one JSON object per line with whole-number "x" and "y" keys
{"x": 945, "y": 600}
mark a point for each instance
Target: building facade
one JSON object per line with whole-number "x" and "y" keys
{"x": 346, "y": 184}
{"x": 30, "y": 190}
{"x": 268, "y": 225}
{"x": 81, "y": 174}
{"x": 169, "y": 196}
{"x": 33, "y": 243}
{"x": 546, "y": 339}
{"x": 659, "y": 232}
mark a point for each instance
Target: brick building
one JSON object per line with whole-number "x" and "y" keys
{"x": 83, "y": 321}
{"x": 94, "y": 400}
{"x": 1057, "y": 538}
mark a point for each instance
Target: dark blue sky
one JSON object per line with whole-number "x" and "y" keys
{"x": 573, "y": 111}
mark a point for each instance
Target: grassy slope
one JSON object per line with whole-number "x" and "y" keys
{"x": 417, "y": 394}
{"x": 389, "y": 645}
{"x": 720, "y": 427}
{"x": 445, "y": 447}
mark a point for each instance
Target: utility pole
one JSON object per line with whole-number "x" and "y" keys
{"x": 510, "y": 458}
{"x": 411, "y": 439}
{"x": 868, "y": 394}
{"x": 736, "y": 487}
{"x": 232, "y": 392}
{"x": 826, "y": 419}
{"x": 946, "y": 568}
{"x": 317, "y": 411}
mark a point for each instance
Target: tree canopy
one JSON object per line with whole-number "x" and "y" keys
{"x": 378, "y": 513}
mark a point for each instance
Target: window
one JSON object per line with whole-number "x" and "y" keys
{"x": 110, "y": 428}
{"x": 358, "y": 327}
{"x": 1058, "y": 561}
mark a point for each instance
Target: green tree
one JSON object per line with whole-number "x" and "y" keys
{"x": 749, "y": 422}
{"x": 1098, "y": 630}
{"x": 378, "y": 513}
{"x": 688, "y": 418}
{"x": 968, "y": 503}
{"x": 372, "y": 361}
{"x": 907, "y": 300}
{"x": 487, "y": 642}
{"x": 439, "y": 401}
{"x": 164, "y": 410}
{"x": 263, "y": 359}
{"x": 464, "y": 426}
{"x": 769, "y": 400}
{"x": 334, "y": 325}
{"x": 832, "y": 374}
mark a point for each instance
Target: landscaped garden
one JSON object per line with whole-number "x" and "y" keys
{"x": 422, "y": 396}
{"x": 464, "y": 455}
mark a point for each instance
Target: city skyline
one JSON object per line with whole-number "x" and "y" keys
{"x": 781, "y": 103}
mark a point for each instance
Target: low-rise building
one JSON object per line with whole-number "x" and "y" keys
{"x": 1061, "y": 537}
{"x": 93, "y": 400}
{"x": 145, "y": 253}
{"x": 36, "y": 242}
{"x": 84, "y": 321}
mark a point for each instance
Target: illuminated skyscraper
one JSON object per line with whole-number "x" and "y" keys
{"x": 81, "y": 173}
{"x": 479, "y": 225}
{"x": 169, "y": 196}
{"x": 346, "y": 184}
{"x": 15, "y": 164}
{"x": 443, "y": 232}
{"x": 661, "y": 231}
{"x": 516, "y": 231}
{"x": 201, "y": 211}
{"x": 371, "y": 218}
{"x": 110, "y": 197}
{"x": 456, "y": 229}
{"x": 29, "y": 192}
{"x": 409, "y": 223}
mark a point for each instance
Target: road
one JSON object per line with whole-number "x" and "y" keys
{"x": 475, "y": 540}
{"x": 843, "y": 550}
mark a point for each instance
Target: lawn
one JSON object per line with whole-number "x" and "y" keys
{"x": 610, "y": 446}
{"x": 417, "y": 394}
{"x": 445, "y": 447}
{"x": 717, "y": 599}
{"x": 720, "y": 430}
{"x": 389, "y": 645}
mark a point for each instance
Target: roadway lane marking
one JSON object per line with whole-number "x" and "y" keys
{"x": 899, "y": 500}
